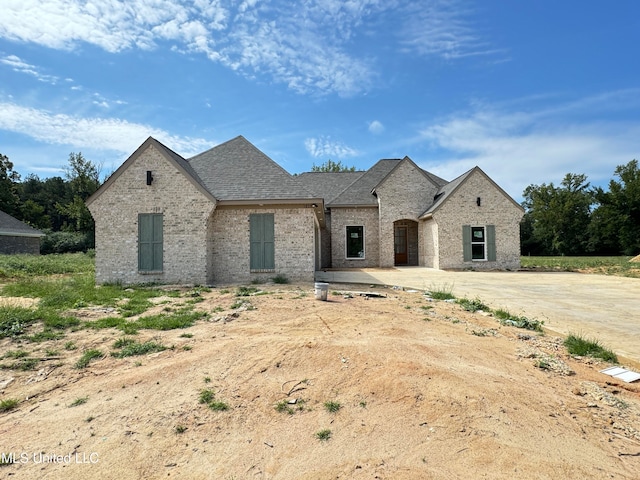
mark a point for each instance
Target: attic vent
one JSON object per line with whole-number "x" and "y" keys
{"x": 149, "y": 177}
{"x": 437, "y": 196}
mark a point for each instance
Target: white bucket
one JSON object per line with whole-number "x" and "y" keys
{"x": 321, "y": 291}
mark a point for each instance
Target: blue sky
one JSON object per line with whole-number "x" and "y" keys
{"x": 528, "y": 91}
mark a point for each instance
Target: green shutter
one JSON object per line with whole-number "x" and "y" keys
{"x": 466, "y": 243}
{"x": 491, "y": 243}
{"x": 150, "y": 242}
{"x": 262, "y": 245}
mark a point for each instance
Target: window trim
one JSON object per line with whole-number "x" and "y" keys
{"x": 346, "y": 243}
{"x": 484, "y": 243}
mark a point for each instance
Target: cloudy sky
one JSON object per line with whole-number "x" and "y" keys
{"x": 528, "y": 91}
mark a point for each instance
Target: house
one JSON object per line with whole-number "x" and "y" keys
{"x": 18, "y": 237}
{"x": 233, "y": 215}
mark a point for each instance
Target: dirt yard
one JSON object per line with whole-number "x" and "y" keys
{"x": 425, "y": 390}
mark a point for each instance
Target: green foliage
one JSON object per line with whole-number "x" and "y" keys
{"x": 323, "y": 435}
{"x": 246, "y": 291}
{"x": 207, "y": 396}
{"x": 132, "y": 348}
{"x": 443, "y": 292}
{"x": 86, "y": 358}
{"x": 14, "y": 320}
{"x": 472, "y": 305}
{"x": 9, "y": 200}
{"x": 520, "y": 321}
{"x": 8, "y": 404}
{"x": 280, "y": 278}
{"x": 29, "y": 266}
{"x": 578, "y": 345}
{"x": 332, "y": 407}
{"x": 331, "y": 166}
{"x": 603, "y": 265}
{"x": 66, "y": 242}
{"x": 79, "y": 401}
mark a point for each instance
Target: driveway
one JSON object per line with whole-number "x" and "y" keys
{"x": 605, "y": 308}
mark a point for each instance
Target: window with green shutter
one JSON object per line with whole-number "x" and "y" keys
{"x": 262, "y": 247}
{"x": 150, "y": 242}
{"x": 479, "y": 243}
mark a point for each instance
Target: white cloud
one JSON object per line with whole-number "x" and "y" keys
{"x": 326, "y": 148}
{"x": 518, "y": 148}
{"x": 304, "y": 46}
{"x": 109, "y": 134}
{"x": 376, "y": 127}
{"x": 19, "y": 65}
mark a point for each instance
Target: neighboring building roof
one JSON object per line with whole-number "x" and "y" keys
{"x": 327, "y": 185}
{"x": 237, "y": 171}
{"x": 359, "y": 193}
{"x": 10, "y": 226}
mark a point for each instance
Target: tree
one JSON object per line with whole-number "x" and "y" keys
{"x": 9, "y": 200}
{"x": 558, "y": 217}
{"x": 331, "y": 166}
{"x": 84, "y": 179}
{"x": 616, "y": 221}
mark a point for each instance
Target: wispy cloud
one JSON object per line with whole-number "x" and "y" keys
{"x": 304, "y": 46}
{"x": 109, "y": 134}
{"x": 19, "y": 65}
{"x": 536, "y": 145}
{"x": 325, "y": 147}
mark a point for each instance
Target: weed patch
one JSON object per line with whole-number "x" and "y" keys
{"x": 79, "y": 401}
{"x": 280, "y": 278}
{"x": 520, "y": 321}
{"x": 443, "y": 292}
{"x": 208, "y": 397}
{"x": 133, "y": 348}
{"x": 86, "y": 358}
{"x": 578, "y": 345}
{"x": 332, "y": 407}
{"x": 472, "y": 305}
{"x": 323, "y": 435}
{"x": 8, "y": 404}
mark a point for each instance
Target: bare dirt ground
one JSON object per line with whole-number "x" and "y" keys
{"x": 427, "y": 391}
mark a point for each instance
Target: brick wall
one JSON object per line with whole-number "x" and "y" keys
{"x": 340, "y": 218}
{"x": 495, "y": 209}
{"x": 405, "y": 194}
{"x": 10, "y": 245}
{"x": 185, "y": 214}
{"x": 228, "y": 240}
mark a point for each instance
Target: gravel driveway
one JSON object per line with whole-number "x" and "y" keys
{"x": 606, "y": 308}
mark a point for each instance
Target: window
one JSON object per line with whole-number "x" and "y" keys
{"x": 479, "y": 243}
{"x": 150, "y": 242}
{"x": 262, "y": 248}
{"x": 355, "y": 241}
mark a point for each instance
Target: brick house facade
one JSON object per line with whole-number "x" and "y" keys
{"x": 232, "y": 215}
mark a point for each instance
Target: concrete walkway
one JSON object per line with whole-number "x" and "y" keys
{"x": 605, "y": 308}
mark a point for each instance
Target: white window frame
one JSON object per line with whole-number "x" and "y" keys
{"x": 483, "y": 243}
{"x": 346, "y": 242}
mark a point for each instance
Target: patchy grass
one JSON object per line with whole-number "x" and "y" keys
{"x": 182, "y": 318}
{"x": 441, "y": 292}
{"x": 619, "y": 266}
{"x": 520, "y": 321}
{"x": 86, "y": 358}
{"x": 8, "y": 404}
{"x": 208, "y": 397}
{"x": 323, "y": 435}
{"x": 29, "y": 266}
{"x": 79, "y": 401}
{"x": 472, "y": 305}
{"x": 280, "y": 279}
{"x": 332, "y": 407}
{"x": 134, "y": 348}
{"x": 578, "y": 345}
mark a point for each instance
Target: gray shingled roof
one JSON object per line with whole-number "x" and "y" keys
{"x": 237, "y": 170}
{"x": 327, "y": 185}
{"x": 359, "y": 192}
{"x": 12, "y": 226}
{"x": 446, "y": 190}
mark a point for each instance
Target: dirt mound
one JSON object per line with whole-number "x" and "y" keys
{"x": 420, "y": 389}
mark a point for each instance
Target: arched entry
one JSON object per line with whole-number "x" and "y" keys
{"x": 405, "y": 242}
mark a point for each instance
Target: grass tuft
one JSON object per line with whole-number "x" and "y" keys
{"x": 133, "y": 348}
{"x": 323, "y": 435}
{"x": 8, "y": 404}
{"x": 332, "y": 407}
{"x": 578, "y": 345}
{"x": 443, "y": 292}
{"x": 86, "y": 358}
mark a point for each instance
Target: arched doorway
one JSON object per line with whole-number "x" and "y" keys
{"x": 405, "y": 242}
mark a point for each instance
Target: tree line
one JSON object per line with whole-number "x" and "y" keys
{"x": 575, "y": 218}
{"x": 55, "y": 205}
{"x": 572, "y": 218}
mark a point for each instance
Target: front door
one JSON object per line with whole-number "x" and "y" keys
{"x": 400, "y": 245}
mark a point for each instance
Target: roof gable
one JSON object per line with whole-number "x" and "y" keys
{"x": 450, "y": 188}
{"x": 180, "y": 163}
{"x": 11, "y": 226}
{"x": 428, "y": 176}
{"x": 238, "y": 171}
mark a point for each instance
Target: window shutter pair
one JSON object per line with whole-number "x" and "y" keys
{"x": 262, "y": 245}
{"x": 490, "y": 239}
